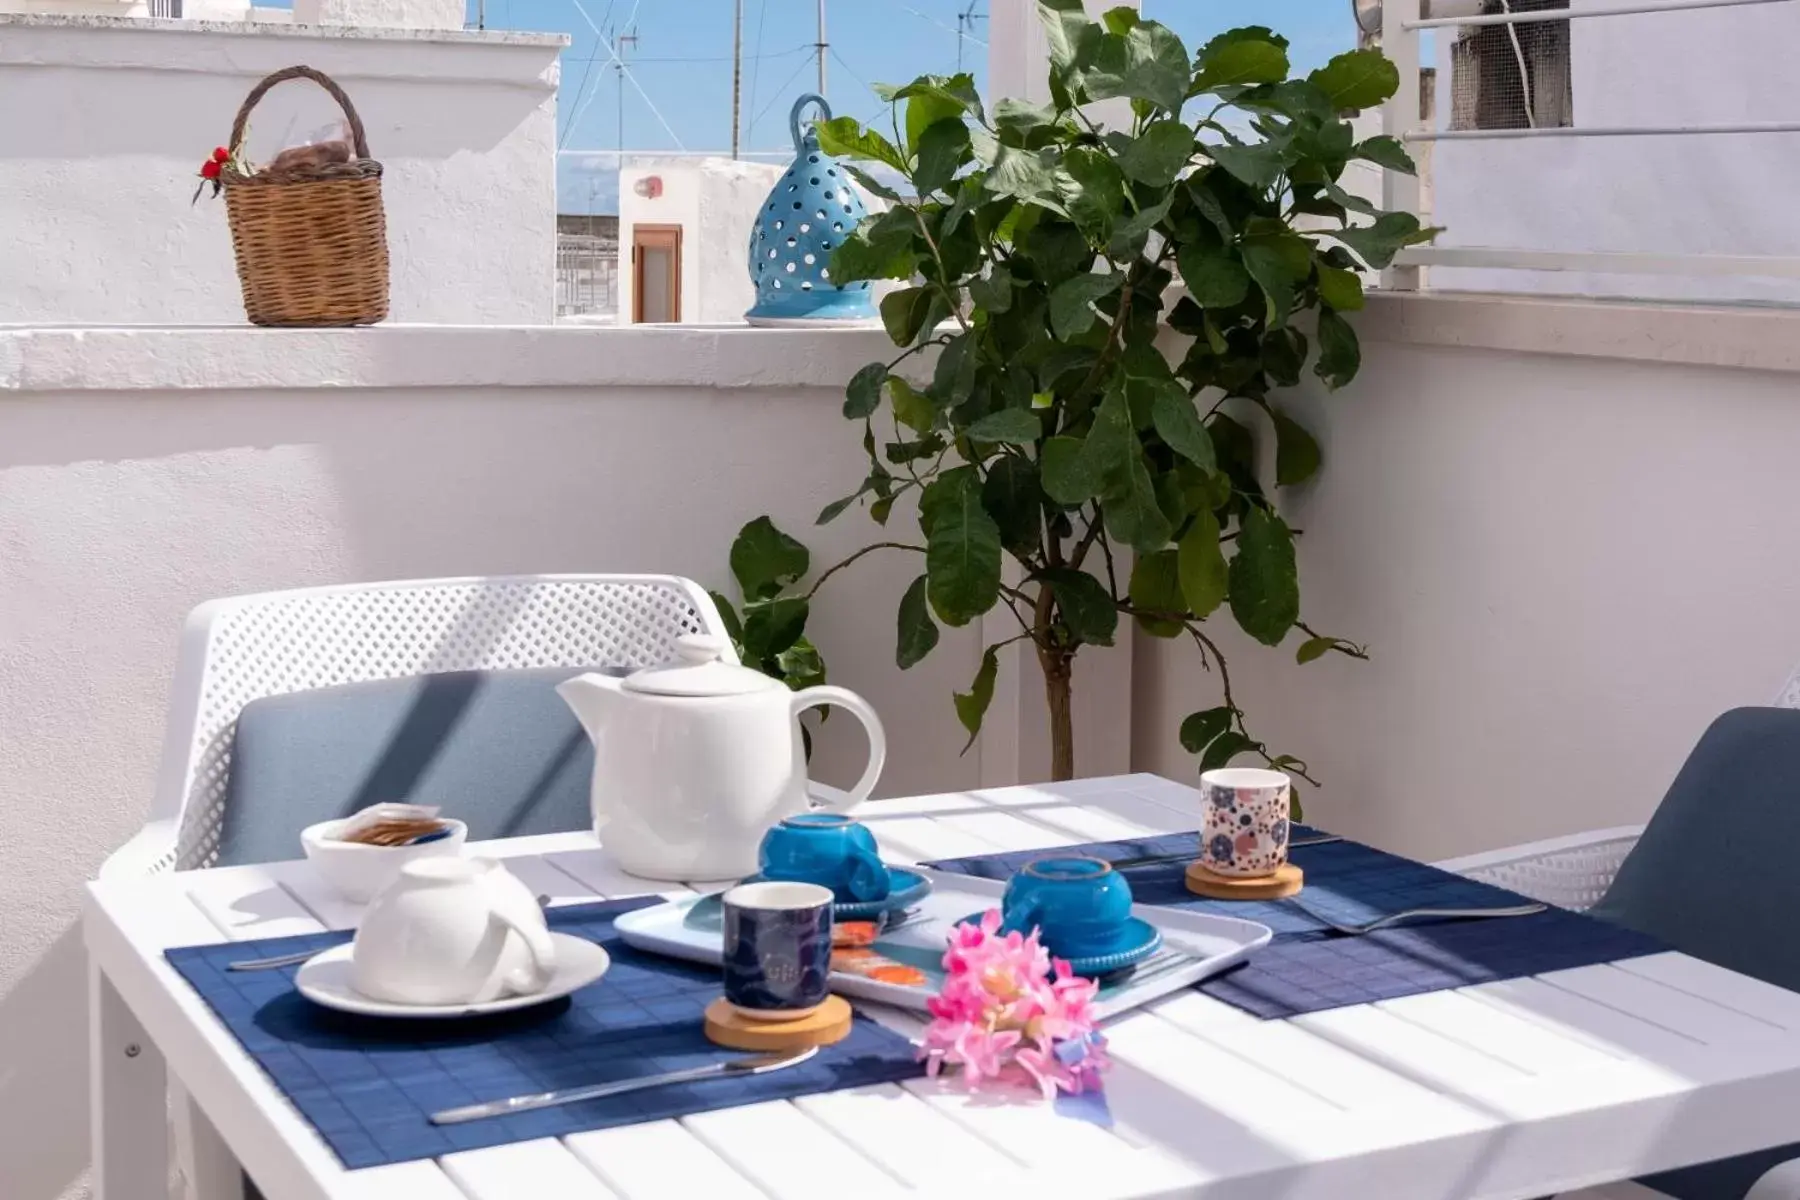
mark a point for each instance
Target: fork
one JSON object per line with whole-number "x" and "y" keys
{"x": 1463, "y": 914}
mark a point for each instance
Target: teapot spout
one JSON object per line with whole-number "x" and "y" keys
{"x": 591, "y": 698}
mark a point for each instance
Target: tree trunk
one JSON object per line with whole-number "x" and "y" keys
{"x": 1059, "y": 674}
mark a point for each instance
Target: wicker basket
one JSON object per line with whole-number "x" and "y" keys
{"x": 311, "y": 243}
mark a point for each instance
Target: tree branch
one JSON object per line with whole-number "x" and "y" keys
{"x": 838, "y": 566}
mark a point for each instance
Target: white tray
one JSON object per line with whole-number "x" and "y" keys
{"x": 1195, "y": 945}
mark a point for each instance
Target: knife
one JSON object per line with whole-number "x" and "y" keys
{"x": 760, "y": 1064}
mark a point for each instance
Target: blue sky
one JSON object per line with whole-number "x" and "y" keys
{"x": 682, "y": 63}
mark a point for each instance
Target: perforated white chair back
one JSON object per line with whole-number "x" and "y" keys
{"x": 243, "y": 648}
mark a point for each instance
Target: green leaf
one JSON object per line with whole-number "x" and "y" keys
{"x": 1064, "y": 22}
{"x": 1069, "y": 477}
{"x": 1029, "y": 175}
{"x": 1200, "y": 565}
{"x": 1350, "y": 200}
{"x": 1072, "y": 303}
{"x": 1240, "y": 62}
{"x": 972, "y": 706}
{"x": 863, "y": 395}
{"x": 801, "y": 665}
{"x": 962, "y": 551}
{"x": 1214, "y": 278}
{"x": 1377, "y": 244}
{"x": 1147, "y": 62}
{"x": 912, "y": 408}
{"x": 926, "y": 109}
{"x": 1269, "y": 267}
{"x": 845, "y": 137}
{"x": 1156, "y": 588}
{"x": 1340, "y": 289}
{"x": 1156, "y": 156}
{"x": 1340, "y": 355}
{"x": 1114, "y": 452}
{"x": 1120, "y": 19}
{"x": 918, "y": 632}
{"x": 1387, "y": 152}
{"x": 1224, "y": 748}
{"x": 903, "y": 312}
{"x": 1296, "y": 451}
{"x": 1014, "y": 497}
{"x": 943, "y": 148}
{"x": 1265, "y": 585}
{"x": 1357, "y": 79}
{"x": 1258, "y": 164}
{"x": 1022, "y": 117}
{"x": 1200, "y": 728}
{"x": 1313, "y": 648}
{"x": 835, "y": 509}
{"x": 1013, "y": 425}
{"x": 867, "y": 254}
{"x": 992, "y": 292}
{"x": 1178, "y": 425}
{"x": 1283, "y": 355}
{"x": 764, "y": 560}
{"x": 1087, "y": 607}
{"x": 734, "y": 629}
{"x": 869, "y": 183}
{"x": 906, "y": 452}
{"x": 772, "y": 626}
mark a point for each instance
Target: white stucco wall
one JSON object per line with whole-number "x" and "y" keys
{"x": 1647, "y": 195}
{"x": 95, "y": 187}
{"x": 715, "y": 201}
{"x": 142, "y": 472}
{"x": 1565, "y": 564}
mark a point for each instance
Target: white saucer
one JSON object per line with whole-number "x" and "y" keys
{"x": 325, "y": 979}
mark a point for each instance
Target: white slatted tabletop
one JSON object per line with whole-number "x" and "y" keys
{"x": 1495, "y": 1092}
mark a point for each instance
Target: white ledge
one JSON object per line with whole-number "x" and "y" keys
{"x": 235, "y": 358}
{"x": 1753, "y": 337}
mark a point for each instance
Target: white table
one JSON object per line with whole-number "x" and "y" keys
{"x": 1500, "y": 1091}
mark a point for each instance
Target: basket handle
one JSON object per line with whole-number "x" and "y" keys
{"x": 794, "y": 117}
{"x": 357, "y": 138}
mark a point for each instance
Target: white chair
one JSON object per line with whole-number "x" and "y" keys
{"x": 243, "y": 648}
{"x": 1574, "y": 872}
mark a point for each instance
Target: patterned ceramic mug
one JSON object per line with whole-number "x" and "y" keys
{"x": 1245, "y": 827}
{"x": 777, "y": 949}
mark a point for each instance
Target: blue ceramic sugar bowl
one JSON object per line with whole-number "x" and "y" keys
{"x": 829, "y": 849}
{"x": 1081, "y": 906}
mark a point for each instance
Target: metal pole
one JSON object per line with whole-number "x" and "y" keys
{"x": 481, "y": 14}
{"x": 823, "y": 45}
{"x": 737, "y": 72}
{"x": 1399, "y": 117}
{"x": 1575, "y": 14}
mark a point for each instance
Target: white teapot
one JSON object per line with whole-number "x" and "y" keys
{"x": 452, "y": 931}
{"x": 695, "y": 760}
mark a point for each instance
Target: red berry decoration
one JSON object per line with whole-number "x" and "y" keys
{"x": 221, "y": 154}
{"x": 209, "y": 169}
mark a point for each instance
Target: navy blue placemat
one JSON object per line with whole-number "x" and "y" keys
{"x": 367, "y": 1083}
{"x": 1307, "y": 967}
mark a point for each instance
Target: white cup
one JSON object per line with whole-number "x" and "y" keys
{"x": 452, "y": 931}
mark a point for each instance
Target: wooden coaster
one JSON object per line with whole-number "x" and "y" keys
{"x": 828, "y": 1023}
{"x": 1286, "y": 880}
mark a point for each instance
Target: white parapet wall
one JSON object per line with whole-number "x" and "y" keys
{"x": 94, "y": 196}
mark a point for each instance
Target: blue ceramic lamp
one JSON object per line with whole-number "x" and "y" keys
{"x": 808, "y": 215}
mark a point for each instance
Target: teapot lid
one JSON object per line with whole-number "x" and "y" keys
{"x": 697, "y": 671}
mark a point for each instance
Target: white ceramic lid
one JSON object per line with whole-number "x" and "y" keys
{"x": 697, "y": 671}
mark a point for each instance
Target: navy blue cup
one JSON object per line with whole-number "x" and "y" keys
{"x": 1081, "y": 906}
{"x": 828, "y": 849}
{"x": 777, "y": 948}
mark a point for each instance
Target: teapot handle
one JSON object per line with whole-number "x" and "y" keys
{"x": 815, "y": 697}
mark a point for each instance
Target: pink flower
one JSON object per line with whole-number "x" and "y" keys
{"x": 1009, "y": 1013}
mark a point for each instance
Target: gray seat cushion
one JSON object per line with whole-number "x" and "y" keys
{"x": 1707, "y": 878}
{"x": 497, "y": 749}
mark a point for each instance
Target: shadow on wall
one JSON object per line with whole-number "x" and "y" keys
{"x": 43, "y": 1076}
